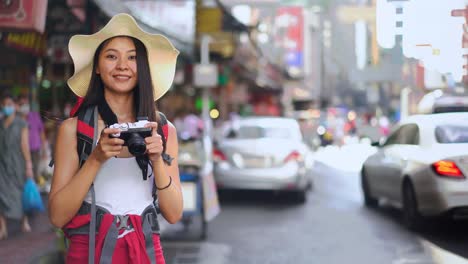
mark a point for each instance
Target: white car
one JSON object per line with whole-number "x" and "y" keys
{"x": 264, "y": 153}
{"x": 421, "y": 167}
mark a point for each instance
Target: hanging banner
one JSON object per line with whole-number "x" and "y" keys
{"x": 29, "y": 15}
{"x": 291, "y": 19}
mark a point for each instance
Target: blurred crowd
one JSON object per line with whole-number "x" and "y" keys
{"x": 25, "y": 153}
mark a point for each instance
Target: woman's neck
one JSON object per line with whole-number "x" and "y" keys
{"x": 122, "y": 106}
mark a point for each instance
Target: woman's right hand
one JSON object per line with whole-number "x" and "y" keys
{"x": 107, "y": 146}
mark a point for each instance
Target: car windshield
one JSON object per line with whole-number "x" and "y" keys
{"x": 252, "y": 132}
{"x": 447, "y": 134}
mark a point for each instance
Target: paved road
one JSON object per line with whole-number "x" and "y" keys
{"x": 332, "y": 227}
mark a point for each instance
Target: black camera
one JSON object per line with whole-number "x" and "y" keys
{"x": 134, "y": 135}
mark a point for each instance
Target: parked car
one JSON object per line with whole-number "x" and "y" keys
{"x": 443, "y": 102}
{"x": 421, "y": 167}
{"x": 264, "y": 153}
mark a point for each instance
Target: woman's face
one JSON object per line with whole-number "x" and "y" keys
{"x": 117, "y": 65}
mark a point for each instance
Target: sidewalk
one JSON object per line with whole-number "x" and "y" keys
{"x": 41, "y": 245}
{"x": 28, "y": 247}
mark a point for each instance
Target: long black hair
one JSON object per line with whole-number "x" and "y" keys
{"x": 144, "y": 105}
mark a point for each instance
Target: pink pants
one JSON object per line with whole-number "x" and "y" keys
{"x": 125, "y": 250}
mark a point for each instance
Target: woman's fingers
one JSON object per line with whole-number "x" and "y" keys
{"x": 154, "y": 126}
{"x": 154, "y": 148}
{"x": 109, "y": 131}
{"x": 153, "y": 139}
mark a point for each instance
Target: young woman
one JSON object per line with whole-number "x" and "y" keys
{"x": 15, "y": 165}
{"x": 120, "y": 71}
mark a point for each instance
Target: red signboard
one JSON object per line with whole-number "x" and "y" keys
{"x": 292, "y": 19}
{"x": 29, "y": 15}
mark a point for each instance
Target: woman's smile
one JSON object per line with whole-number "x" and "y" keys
{"x": 122, "y": 77}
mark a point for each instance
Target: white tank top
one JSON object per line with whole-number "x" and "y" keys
{"x": 120, "y": 188}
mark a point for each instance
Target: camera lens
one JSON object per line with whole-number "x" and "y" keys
{"x": 136, "y": 144}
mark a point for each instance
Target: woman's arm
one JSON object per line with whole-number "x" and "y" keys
{"x": 170, "y": 199}
{"x": 70, "y": 184}
{"x": 26, "y": 152}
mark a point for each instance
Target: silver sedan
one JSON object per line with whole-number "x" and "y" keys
{"x": 421, "y": 167}
{"x": 264, "y": 153}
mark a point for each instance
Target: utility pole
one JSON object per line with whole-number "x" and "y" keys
{"x": 206, "y": 77}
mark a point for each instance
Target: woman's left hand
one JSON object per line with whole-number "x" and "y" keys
{"x": 154, "y": 146}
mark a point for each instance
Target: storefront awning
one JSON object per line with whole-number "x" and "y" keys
{"x": 23, "y": 15}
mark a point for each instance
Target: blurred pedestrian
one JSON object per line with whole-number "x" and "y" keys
{"x": 189, "y": 125}
{"x": 192, "y": 127}
{"x": 120, "y": 71}
{"x": 15, "y": 165}
{"x": 37, "y": 138}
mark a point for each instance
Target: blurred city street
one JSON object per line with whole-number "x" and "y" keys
{"x": 307, "y": 131}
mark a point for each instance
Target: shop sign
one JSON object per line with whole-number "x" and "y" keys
{"x": 23, "y": 14}
{"x": 209, "y": 20}
{"x": 30, "y": 42}
{"x": 205, "y": 75}
{"x": 291, "y": 18}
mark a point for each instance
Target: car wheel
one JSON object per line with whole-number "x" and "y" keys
{"x": 310, "y": 185}
{"x": 369, "y": 201}
{"x": 411, "y": 216}
{"x": 301, "y": 196}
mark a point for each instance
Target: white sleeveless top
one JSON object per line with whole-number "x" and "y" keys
{"x": 120, "y": 188}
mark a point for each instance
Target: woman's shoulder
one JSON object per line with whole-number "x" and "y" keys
{"x": 68, "y": 125}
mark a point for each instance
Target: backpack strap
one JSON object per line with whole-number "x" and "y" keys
{"x": 87, "y": 135}
{"x": 163, "y": 131}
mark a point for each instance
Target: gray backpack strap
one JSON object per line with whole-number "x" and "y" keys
{"x": 92, "y": 224}
{"x": 92, "y": 227}
{"x": 148, "y": 233}
{"x": 109, "y": 243}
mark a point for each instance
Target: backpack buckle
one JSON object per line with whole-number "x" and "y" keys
{"x": 122, "y": 221}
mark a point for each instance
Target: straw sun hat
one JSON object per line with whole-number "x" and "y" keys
{"x": 162, "y": 55}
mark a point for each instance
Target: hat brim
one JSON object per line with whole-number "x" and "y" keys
{"x": 162, "y": 56}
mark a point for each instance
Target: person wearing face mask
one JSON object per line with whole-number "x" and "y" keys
{"x": 37, "y": 137}
{"x": 15, "y": 165}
